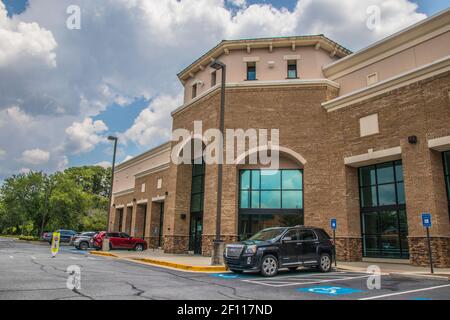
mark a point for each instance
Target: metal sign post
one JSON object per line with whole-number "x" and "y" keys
{"x": 426, "y": 222}
{"x": 333, "y": 224}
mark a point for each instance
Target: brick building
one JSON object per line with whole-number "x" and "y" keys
{"x": 364, "y": 138}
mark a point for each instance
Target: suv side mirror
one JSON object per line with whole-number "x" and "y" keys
{"x": 287, "y": 239}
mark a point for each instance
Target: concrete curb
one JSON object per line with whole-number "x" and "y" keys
{"x": 180, "y": 266}
{"x": 105, "y": 254}
{"x": 161, "y": 263}
{"x": 400, "y": 274}
{"x": 421, "y": 276}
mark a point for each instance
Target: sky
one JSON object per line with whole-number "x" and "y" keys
{"x": 63, "y": 91}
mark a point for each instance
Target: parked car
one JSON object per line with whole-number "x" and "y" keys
{"x": 82, "y": 241}
{"x": 119, "y": 240}
{"x": 285, "y": 247}
{"x": 66, "y": 235}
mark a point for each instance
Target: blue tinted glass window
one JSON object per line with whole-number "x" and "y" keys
{"x": 401, "y": 193}
{"x": 244, "y": 199}
{"x": 369, "y": 197}
{"x": 270, "y": 199}
{"x": 386, "y": 194}
{"x": 271, "y": 189}
{"x": 270, "y": 180}
{"x": 367, "y": 176}
{"x": 292, "y": 200}
{"x": 251, "y": 71}
{"x": 255, "y": 199}
{"x": 245, "y": 180}
{"x": 292, "y": 69}
{"x": 385, "y": 173}
{"x": 292, "y": 179}
{"x": 256, "y": 175}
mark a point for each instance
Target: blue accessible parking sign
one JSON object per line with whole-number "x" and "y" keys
{"x": 333, "y": 224}
{"x": 426, "y": 220}
{"x": 330, "y": 290}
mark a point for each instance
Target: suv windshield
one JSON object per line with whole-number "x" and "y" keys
{"x": 267, "y": 234}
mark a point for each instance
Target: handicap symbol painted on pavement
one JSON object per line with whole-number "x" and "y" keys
{"x": 329, "y": 290}
{"x": 226, "y": 275}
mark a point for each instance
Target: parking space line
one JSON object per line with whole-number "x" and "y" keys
{"x": 404, "y": 292}
{"x": 269, "y": 282}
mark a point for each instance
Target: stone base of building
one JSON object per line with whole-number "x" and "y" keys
{"x": 153, "y": 242}
{"x": 348, "y": 249}
{"x": 440, "y": 248}
{"x": 176, "y": 244}
{"x": 208, "y": 243}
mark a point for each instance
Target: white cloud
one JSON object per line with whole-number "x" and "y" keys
{"x": 103, "y": 164}
{"x": 25, "y": 170}
{"x": 153, "y": 125}
{"x": 35, "y": 156}
{"x": 52, "y": 79}
{"x": 128, "y": 157}
{"x": 2, "y": 154}
{"x": 19, "y": 40}
{"x": 84, "y": 136}
{"x": 19, "y": 116}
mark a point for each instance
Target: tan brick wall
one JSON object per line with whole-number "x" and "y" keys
{"x": 324, "y": 139}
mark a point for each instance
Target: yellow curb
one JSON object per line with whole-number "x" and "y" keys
{"x": 106, "y": 254}
{"x": 173, "y": 265}
{"x": 182, "y": 266}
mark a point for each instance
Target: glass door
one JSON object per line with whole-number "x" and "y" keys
{"x": 195, "y": 234}
{"x": 161, "y": 224}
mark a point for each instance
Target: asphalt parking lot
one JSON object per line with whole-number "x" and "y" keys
{"x": 28, "y": 272}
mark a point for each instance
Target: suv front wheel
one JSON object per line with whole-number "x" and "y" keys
{"x": 325, "y": 262}
{"x": 269, "y": 266}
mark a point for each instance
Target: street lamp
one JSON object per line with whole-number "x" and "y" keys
{"x": 218, "y": 243}
{"x": 112, "y": 138}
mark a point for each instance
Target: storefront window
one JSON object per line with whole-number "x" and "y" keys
{"x": 271, "y": 189}
{"x": 269, "y": 198}
{"x": 383, "y": 214}
{"x": 447, "y": 175}
{"x": 250, "y": 224}
{"x": 197, "y": 191}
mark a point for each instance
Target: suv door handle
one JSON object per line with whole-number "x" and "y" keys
{"x": 299, "y": 243}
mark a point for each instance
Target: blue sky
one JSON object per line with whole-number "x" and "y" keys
{"x": 429, "y": 7}
{"x": 118, "y": 74}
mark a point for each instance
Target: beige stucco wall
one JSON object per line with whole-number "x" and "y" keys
{"x": 124, "y": 178}
{"x": 404, "y": 61}
{"x": 308, "y": 67}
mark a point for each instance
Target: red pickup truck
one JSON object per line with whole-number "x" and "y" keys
{"x": 119, "y": 240}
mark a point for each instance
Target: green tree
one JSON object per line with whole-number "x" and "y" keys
{"x": 22, "y": 197}
{"x": 74, "y": 199}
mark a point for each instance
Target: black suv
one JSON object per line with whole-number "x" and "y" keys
{"x": 286, "y": 247}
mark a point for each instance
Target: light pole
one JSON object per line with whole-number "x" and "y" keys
{"x": 218, "y": 243}
{"x": 112, "y": 138}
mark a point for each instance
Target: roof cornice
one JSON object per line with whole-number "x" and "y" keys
{"x": 398, "y": 42}
{"x": 144, "y": 156}
{"x": 259, "y": 84}
{"x": 243, "y": 44}
{"x": 421, "y": 73}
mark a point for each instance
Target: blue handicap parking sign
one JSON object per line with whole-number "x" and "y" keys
{"x": 329, "y": 290}
{"x": 333, "y": 224}
{"x": 426, "y": 220}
